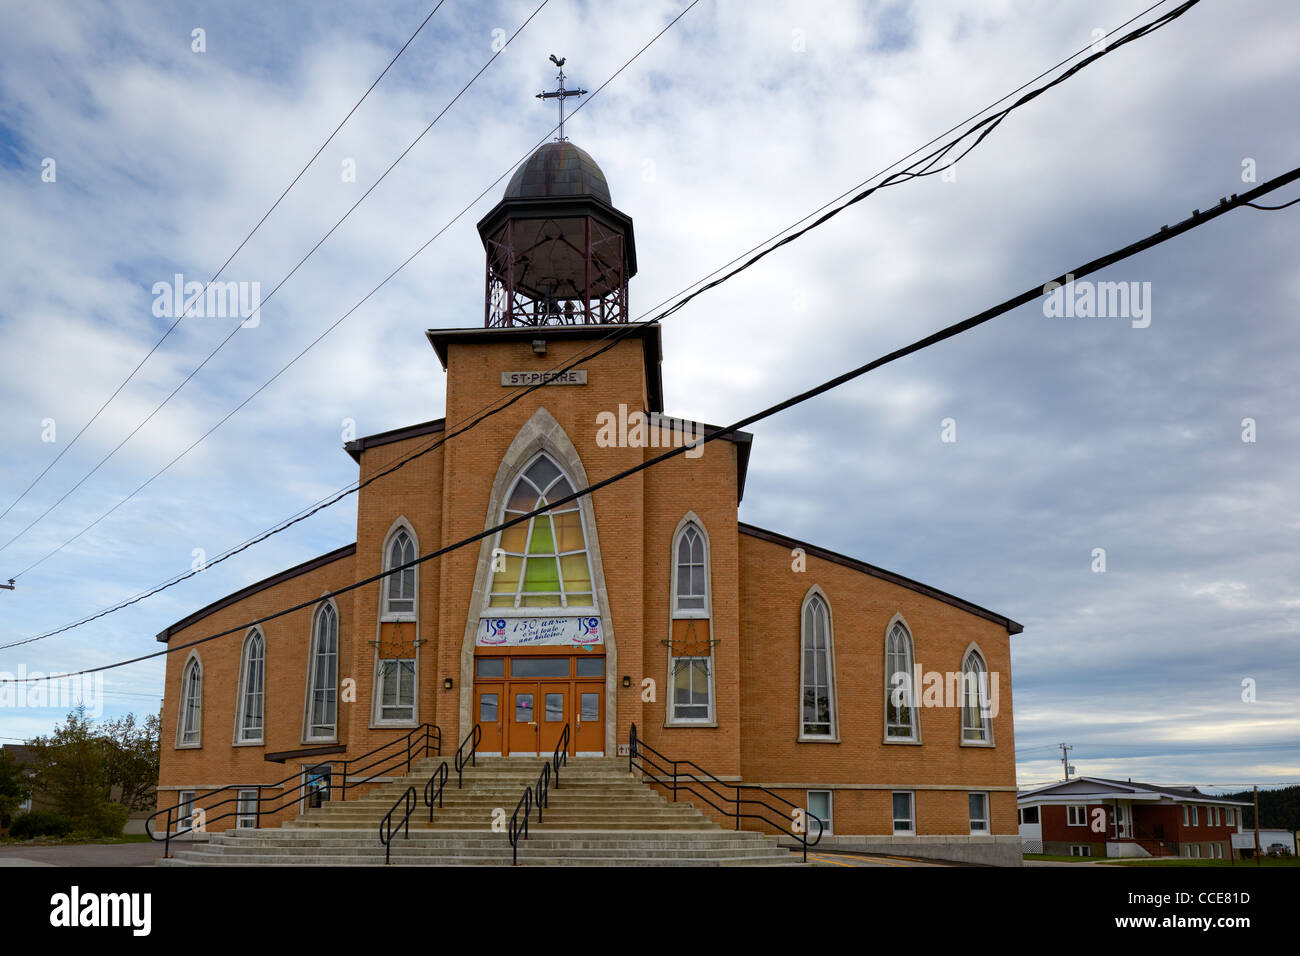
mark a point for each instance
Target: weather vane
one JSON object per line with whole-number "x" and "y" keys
{"x": 560, "y": 93}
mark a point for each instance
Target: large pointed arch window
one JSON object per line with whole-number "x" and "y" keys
{"x": 323, "y": 676}
{"x": 541, "y": 562}
{"x": 252, "y": 688}
{"x": 900, "y": 715}
{"x": 191, "y": 719}
{"x": 690, "y": 647}
{"x": 399, "y": 588}
{"x": 976, "y": 725}
{"x": 817, "y": 704}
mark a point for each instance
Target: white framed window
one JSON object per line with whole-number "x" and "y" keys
{"x": 904, "y": 812}
{"x": 397, "y": 690}
{"x": 1076, "y": 815}
{"x": 1187, "y": 851}
{"x": 819, "y": 806}
{"x": 691, "y": 697}
{"x": 900, "y": 710}
{"x": 979, "y": 812}
{"x": 251, "y": 708}
{"x": 184, "y": 810}
{"x": 1230, "y": 816}
{"x": 1186, "y": 816}
{"x": 976, "y": 723}
{"x": 542, "y": 562}
{"x": 246, "y": 809}
{"x": 1028, "y": 814}
{"x": 323, "y": 675}
{"x": 1196, "y": 851}
{"x": 690, "y": 573}
{"x": 1080, "y": 850}
{"x": 399, "y": 587}
{"x": 1196, "y": 816}
{"x": 189, "y": 730}
{"x": 817, "y": 670}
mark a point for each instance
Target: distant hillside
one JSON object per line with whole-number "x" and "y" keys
{"x": 1278, "y": 808}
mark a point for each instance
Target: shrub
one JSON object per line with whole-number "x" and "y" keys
{"x": 40, "y": 823}
{"x": 106, "y": 820}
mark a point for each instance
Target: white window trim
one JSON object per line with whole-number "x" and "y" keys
{"x": 671, "y": 718}
{"x": 377, "y": 720}
{"x": 986, "y": 721}
{"x": 829, "y": 822}
{"x": 833, "y": 685}
{"x": 1083, "y": 814}
{"x": 239, "y": 740}
{"x": 181, "y": 743}
{"x": 915, "y": 738}
{"x": 312, "y": 645}
{"x": 911, "y": 809}
{"x": 240, "y": 816}
{"x": 1085, "y": 847}
{"x": 184, "y": 823}
{"x": 988, "y": 813}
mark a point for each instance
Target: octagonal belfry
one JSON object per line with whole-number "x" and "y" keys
{"x": 558, "y": 252}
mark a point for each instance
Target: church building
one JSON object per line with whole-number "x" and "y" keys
{"x": 878, "y": 704}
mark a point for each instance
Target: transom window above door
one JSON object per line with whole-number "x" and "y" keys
{"x": 541, "y": 562}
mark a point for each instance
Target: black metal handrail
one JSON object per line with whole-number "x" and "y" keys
{"x": 419, "y": 742}
{"x": 430, "y": 795}
{"x": 539, "y": 794}
{"x": 410, "y": 801}
{"x": 526, "y": 805}
{"x": 685, "y": 781}
{"x": 473, "y": 739}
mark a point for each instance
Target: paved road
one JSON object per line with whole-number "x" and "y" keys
{"x": 111, "y": 854}
{"x": 849, "y": 859}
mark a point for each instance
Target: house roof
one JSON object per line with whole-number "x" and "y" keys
{"x": 1070, "y": 791}
{"x": 813, "y": 551}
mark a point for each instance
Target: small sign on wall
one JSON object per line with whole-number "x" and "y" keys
{"x": 624, "y": 750}
{"x": 574, "y": 376}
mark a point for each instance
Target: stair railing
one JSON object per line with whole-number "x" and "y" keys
{"x": 472, "y": 741}
{"x": 408, "y": 801}
{"x": 423, "y": 741}
{"x": 538, "y": 795}
{"x": 689, "y": 777}
{"x": 462, "y": 760}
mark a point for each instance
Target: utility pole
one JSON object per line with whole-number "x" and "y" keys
{"x": 1257, "y": 863}
{"x": 1065, "y": 758}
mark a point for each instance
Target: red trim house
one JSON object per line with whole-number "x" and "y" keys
{"x": 1092, "y": 816}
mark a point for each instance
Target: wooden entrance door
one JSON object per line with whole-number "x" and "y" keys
{"x": 589, "y": 718}
{"x": 554, "y": 713}
{"x": 490, "y": 714}
{"x": 522, "y": 727}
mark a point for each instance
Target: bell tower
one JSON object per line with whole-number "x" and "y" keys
{"x": 558, "y": 252}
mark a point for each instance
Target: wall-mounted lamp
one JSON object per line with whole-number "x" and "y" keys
{"x": 627, "y": 681}
{"x": 447, "y": 683}
{"x": 539, "y": 346}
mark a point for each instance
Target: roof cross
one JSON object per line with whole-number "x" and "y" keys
{"x": 560, "y": 93}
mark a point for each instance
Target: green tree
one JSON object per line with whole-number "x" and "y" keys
{"x": 72, "y": 768}
{"x": 131, "y": 751}
{"x": 15, "y": 786}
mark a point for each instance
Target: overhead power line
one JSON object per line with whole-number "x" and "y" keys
{"x": 234, "y": 331}
{"x": 218, "y": 273}
{"x": 1162, "y": 235}
{"x": 920, "y": 168}
{"x": 337, "y": 323}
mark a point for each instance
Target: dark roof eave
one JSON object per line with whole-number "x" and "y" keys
{"x": 832, "y": 556}
{"x": 318, "y": 562}
{"x": 359, "y": 445}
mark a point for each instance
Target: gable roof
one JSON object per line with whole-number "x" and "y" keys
{"x": 1066, "y": 791}
{"x": 813, "y": 551}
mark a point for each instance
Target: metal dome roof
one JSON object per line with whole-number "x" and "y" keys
{"x": 558, "y": 169}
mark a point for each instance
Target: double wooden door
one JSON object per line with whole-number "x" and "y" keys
{"x": 527, "y": 717}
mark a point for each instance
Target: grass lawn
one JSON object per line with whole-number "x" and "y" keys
{"x": 1268, "y": 861}
{"x": 1062, "y": 859}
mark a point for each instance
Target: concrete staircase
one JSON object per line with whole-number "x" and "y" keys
{"x": 601, "y": 815}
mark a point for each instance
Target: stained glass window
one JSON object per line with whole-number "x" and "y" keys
{"x": 542, "y": 562}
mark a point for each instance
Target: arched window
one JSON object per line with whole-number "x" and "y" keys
{"x": 691, "y": 574}
{"x": 252, "y": 686}
{"x": 322, "y": 676}
{"x": 900, "y": 715}
{"x": 191, "y": 722}
{"x": 817, "y": 717}
{"x": 976, "y": 726}
{"x": 400, "y": 587}
{"x": 690, "y": 649}
{"x": 541, "y": 562}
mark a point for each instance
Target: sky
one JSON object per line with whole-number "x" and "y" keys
{"x": 1078, "y": 439}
